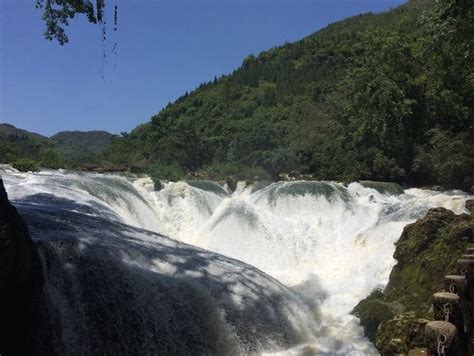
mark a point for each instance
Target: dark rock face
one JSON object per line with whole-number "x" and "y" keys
{"x": 20, "y": 281}
{"x": 232, "y": 183}
{"x": 470, "y": 205}
{"x": 426, "y": 251}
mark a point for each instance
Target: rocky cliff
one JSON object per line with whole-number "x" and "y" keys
{"x": 20, "y": 281}
{"x": 426, "y": 251}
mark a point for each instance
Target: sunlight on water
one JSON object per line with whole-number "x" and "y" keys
{"x": 330, "y": 244}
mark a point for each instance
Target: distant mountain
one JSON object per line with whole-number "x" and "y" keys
{"x": 7, "y": 130}
{"x": 66, "y": 149}
{"x": 26, "y": 150}
{"x": 70, "y": 142}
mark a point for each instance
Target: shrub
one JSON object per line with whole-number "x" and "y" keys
{"x": 26, "y": 165}
{"x": 223, "y": 171}
{"x": 50, "y": 158}
{"x": 172, "y": 172}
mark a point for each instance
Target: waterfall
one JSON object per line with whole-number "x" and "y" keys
{"x": 270, "y": 268}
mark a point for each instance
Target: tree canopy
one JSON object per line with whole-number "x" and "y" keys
{"x": 386, "y": 96}
{"x": 378, "y": 96}
{"x": 58, "y": 13}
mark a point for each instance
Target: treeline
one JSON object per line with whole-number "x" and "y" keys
{"x": 375, "y": 97}
{"x": 29, "y": 151}
{"x": 378, "y": 96}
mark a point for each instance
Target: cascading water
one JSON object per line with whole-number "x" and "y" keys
{"x": 331, "y": 244}
{"x": 114, "y": 285}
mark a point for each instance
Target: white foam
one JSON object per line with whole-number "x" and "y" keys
{"x": 330, "y": 243}
{"x": 345, "y": 239}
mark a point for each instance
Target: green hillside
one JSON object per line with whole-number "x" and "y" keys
{"x": 7, "y": 130}
{"x": 378, "y": 96}
{"x": 79, "y": 147}
{"x": 69, "y": 149}
{"x": 26, "y": 150}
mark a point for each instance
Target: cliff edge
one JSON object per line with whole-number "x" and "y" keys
{"x": 20, "y": 281}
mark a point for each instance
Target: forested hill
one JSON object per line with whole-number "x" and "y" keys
{"x": 378, "y": 96}
{"x": 82, "y": 146}
{"x": 24, "y": 149}
{"x": 7, "y": 130}
{"x": 68, "y": 149}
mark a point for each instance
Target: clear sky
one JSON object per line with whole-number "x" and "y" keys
{"x": 164, "y": 48}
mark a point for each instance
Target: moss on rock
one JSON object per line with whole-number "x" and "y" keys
{"x": 400, "y": 334}
{"x": 372, "y": 311}
{"x": 426, "y": 251}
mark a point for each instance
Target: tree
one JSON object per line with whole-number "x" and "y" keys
{"x": 378, "y": 96}
{"x": 452, "y": 21}
{"x": 447, "y": 159}
{"x": 51, "y": 158}
{"x": 58, "y": 13}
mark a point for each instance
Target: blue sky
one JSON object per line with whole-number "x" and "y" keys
{"x": 164, "y": 48}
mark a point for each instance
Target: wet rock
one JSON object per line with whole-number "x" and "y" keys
{"x": 20, "y": 281}
{"x": 232, "y": 183}
{"x": 470, "y": 205}
{"x": 103, "y": 168}
{"x": 426, "y": 252}
{"x": 383, "y": 187}
{"x": 400, "y": 334}
{"x": 294, "y": 174}
{"x": 372, "y": 311}
{"x": 138, "y": 167}
{"x": 157, "y": 185}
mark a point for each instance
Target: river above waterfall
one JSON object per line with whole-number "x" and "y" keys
{"x": 193, "y": 268}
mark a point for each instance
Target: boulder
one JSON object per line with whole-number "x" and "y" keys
{"x": 232, "y": 183}
{"x": 401, "y": 334}
{"x": 426, "y": 252}
{"x": 470, "y": 205}
{"x": 294, "y": 174}
{"x": 372, "y": 311}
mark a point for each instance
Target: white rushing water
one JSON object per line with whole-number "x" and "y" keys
{"x": 328, "y": 244}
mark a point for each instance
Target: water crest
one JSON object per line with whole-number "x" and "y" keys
{"x": 274, "y": 267}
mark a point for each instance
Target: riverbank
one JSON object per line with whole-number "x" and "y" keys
{"x": 427, "y": 250}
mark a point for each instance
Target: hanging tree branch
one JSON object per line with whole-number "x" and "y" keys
{"x": 58, "y": 13}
